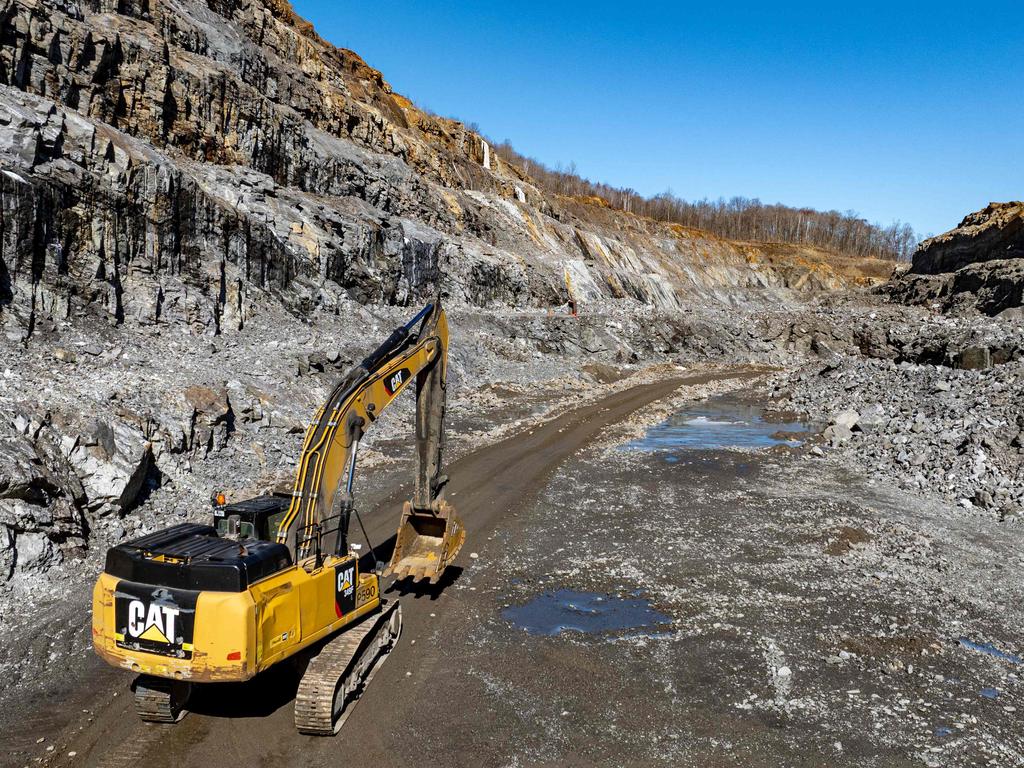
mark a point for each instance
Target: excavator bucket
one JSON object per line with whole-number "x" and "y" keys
{"x": 427, "y": 543}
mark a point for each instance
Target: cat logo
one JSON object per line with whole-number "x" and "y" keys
{"x": 160, "y": 620}
{"x": 345, "y": 580}
{"x": 394, "y": 382}
{"x": 155, "y": 624}
{"x": 344, "y": 588}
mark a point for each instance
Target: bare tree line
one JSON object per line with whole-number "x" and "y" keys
{"x": 738, "y": 218}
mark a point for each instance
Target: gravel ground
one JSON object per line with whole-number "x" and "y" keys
{"x": 816, "y": 618}
{"x": 854, "y": 563}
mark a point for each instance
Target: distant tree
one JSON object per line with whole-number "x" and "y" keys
{"x": 738, "y": 218}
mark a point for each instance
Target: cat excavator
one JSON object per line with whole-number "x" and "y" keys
{"x": 275, "y": 578}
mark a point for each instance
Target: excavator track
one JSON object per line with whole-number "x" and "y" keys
{"x": 158, "y": 700}
{"x": 337, "y": 676}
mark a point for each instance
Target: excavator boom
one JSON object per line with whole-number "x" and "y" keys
{"x": 429, "y": 534}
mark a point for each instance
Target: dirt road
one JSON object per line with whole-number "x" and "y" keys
{"x": 252, "y": 724}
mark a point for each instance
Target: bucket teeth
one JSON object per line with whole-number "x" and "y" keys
{"x": 427, "y": 542}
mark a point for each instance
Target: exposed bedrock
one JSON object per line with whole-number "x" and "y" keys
{"x": 179, "y": 162}
{"x": 979, "y": 265}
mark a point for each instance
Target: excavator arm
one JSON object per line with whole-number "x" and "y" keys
{"x": 429, "y": 533}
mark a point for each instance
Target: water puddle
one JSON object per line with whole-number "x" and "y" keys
{"x": 990, "y": 693}
{"x": 566, "y": 610}
{"x": 716, "y": 424}
{"x": 990, "y": 650}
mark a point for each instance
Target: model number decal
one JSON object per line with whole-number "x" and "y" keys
{"x": 345, "y": 587}
{"x": 366, "y": 593}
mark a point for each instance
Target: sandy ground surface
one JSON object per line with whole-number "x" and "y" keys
{"x": 814, "y": 616}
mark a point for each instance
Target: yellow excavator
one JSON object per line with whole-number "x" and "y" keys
{"x": 275, "y": 577}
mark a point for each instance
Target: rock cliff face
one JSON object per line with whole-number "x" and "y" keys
{"x": 979, "y": 265}
{"x": 995, "y": 233}
{"x": 164, "y": 160}
{"x": 207, "y": 212}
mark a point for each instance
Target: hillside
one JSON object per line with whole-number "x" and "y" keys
{"x": 164, "y": 161}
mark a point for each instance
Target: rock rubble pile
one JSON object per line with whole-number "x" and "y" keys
{"x": 930, "y": 428}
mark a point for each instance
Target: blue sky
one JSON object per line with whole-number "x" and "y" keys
{"x": 898, "y": 111}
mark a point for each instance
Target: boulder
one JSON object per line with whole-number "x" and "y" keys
{"x": 837, "y": 434}
{"x": 974, "y": 359}
{"x": 245, "y": 400}
{"x": 212, "y": 418}
{"x": 872, "y": 417}
{"x": 209, "y": 401}
{"x": 113, "y": 463}
{"x": 846, "y": 419}
{"x": 22, "y": 475}
{"x": 34, "y": 552}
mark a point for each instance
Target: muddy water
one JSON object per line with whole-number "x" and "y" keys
{"x": 717, "y": 424}
{"x": 566, "y": 610}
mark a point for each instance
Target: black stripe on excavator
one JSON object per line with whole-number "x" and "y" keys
{"x": 394, "y": 341}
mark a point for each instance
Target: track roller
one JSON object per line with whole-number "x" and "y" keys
{"x": 337, "y": 676}
{"x": 158, "y": 700}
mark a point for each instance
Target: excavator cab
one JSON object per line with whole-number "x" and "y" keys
{"x": 256, "y": 518}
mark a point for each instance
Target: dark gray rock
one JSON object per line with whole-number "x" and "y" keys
{"x": 978, "y": 266}
{"x": 994, "y": 233}
{"x": 974, "y": 358}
